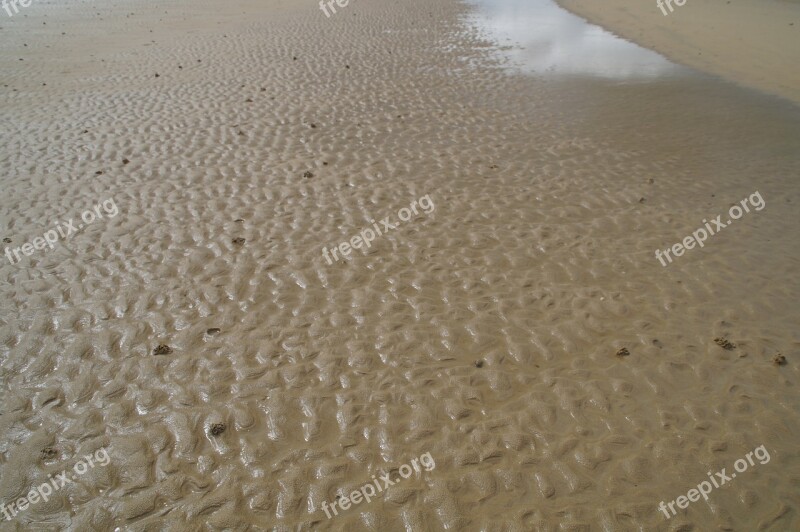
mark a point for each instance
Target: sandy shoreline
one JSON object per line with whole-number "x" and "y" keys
{"x": 754, "y": 43}
{"x": 522, "y": 332}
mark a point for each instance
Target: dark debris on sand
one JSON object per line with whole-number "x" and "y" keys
{"x": 724, "y": 343}
{"x": 217, "y": 429}
{"x": 49, "y": 453}
{"x": 623, "y": 352}
{"x": 162, "y": 350}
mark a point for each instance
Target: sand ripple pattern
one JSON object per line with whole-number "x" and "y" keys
{"x": 484, "y": 333}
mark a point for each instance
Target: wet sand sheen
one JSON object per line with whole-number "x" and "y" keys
{"x": 238, "y": 380}
{"x": 753, "y": 42}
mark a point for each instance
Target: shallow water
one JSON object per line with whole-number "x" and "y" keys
{"x": 545, "y": 39}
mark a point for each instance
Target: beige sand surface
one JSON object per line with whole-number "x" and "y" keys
{"x": 484, "y": 333}
{"x": 753, "y": 42}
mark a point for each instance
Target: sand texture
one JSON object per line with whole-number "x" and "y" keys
{"x": 753, "y": 42}
{"x": 484, "y": 333}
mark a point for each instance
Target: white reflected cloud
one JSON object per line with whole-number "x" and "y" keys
{"x": 549, "y": 39}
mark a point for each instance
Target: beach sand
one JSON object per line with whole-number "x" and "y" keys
{"x": 239, "y": 140}
{"x": 755, "y": 43}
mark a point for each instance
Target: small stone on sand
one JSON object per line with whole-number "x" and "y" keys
{"x": 724, "y": 343}
{"x": 48, "y": 453}
{"x": 162, "y": 350}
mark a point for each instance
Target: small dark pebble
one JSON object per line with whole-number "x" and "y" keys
{"x": 294, "y": 58}
{"x": 125, "y": 161}
{"x": 779, "y": 360}
{"x": 162, "y": 350}
{"x": 313, "y": 126}
{"x": 48, "y": 453}
{"x": 217, "y": 429}
{"x": 158, "y": 75}
{"x": 249, "y": 100}
{"x": 99, "y": 172}
{"x": 7, "y": 240}
{"x": 238, "y": 220}
{"x": 479, "y": 363}
{"x": 324, "y": 163}
{"x": 623, "y": 352}
{"x": 238, "y": 241}
{"x": 308, "y": 174}
{"x": 724, "y": 344}
{"x": 213, "y": 330}
{"x": 641, "y": 200}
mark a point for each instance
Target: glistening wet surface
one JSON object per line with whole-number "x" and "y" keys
{"x": 543, "y": 38}
{"x": 239, "y": 380}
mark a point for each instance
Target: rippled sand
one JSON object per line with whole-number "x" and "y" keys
{"x": 484, "y": 333}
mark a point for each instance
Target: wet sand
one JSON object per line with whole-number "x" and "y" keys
{"x": 753, "y": 42}
{"x": 485, "y": 333}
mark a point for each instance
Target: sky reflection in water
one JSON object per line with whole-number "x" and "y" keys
{"x": 547, "y": 39}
